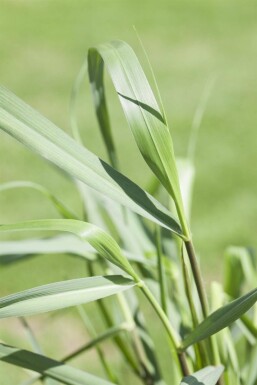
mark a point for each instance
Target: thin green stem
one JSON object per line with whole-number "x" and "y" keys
{"x": 110, "y": 333}
{"x": 161, "y": 273}
{"x": 188, "y": 290}
{"x": 138, "y": 347}
{"x": 179, "y": 357}
{"x": 123, "y": 347}
{"x": 130, "y": 359}
{"x": 199, "y": 348}
{"x": 202, "y": 296}
{"x": 197, "y": 277}
{"x": 108, "y": 369}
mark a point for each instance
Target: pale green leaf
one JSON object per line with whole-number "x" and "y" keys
{"x": 207, "y": 376}
{"x": 108, "y": 334}
{"x": 11, "y": 251}
{"x": 39, "y": 134}
{"x": 47, "y": 366}
{"x": 140, "y": 107}
{"x": 61, "y": 244}
{"x": 102, "y": 242}
{"x": 63, "y": 294}
{"x": 221, "y": 318}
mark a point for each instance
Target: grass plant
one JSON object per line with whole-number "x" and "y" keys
{"x": 136, "y": 245}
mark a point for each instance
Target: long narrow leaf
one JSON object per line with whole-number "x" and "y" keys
{"x": 145, "y": 118}
{"x": 63, "y": 294}
{"x": 11, "y": 251}
{"x": 47, "y": 366}
{"x": 221, "y": 318}
{"x": 97, "y": 238}
{"x": 140, "y": 107}
{"x": 206, "y": 376}
{"x": 109, "y": 333}
{"x": 39, "y": 134}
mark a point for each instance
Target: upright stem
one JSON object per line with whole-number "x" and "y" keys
{"x": 179, "y": 356}
{"x": 202, "y": 296}
{"x": 197, "y": 277}
{"x": 161, "y": 273}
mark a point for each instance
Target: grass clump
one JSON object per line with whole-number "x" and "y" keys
{"x": 135, "y": 244}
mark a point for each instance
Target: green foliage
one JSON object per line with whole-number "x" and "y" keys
{"x": 111, "y": 239}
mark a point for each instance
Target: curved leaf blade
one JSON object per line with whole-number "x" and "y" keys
{"x": 10, "y": 251}
{"x": 221, "y": 318}
{"x": 141, "y": 109}
{"x": 40, "y": 135}
{"x": 207, "y": 376}
{"x": 102, "y": 242}
{"x": 47, "y": 366}
{"x": 60, "y": 295}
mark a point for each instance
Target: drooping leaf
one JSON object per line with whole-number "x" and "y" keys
{"x": 63, "y": 294}
{"x": 47, "y": 366}
{"x": 207, "y": 376}
{"x": 97, "y": 238}
{"x": 39, "y": 134}
{"x": 221, "y": 318}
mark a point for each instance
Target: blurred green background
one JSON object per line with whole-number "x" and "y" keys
{"x": 42, "y": 46}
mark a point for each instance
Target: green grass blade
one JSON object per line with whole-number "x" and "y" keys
{"x": 221, "y": 318}
{"x": 11, "y": 251}
{"x": 47, "y": 366}
{"x": 102, "y": 242}
{"x": 62, "y": 294}
{"x": 239, "y": 270}
{"x": 60, "y": 207}
{"x": 251, "y": 376}
{"x": 141, "y": 110}
{"x": 108, "y": 334}
{"x": 34, "y": 345}
{"x": 186, "y": 171}
{"x": 39, "y": 134}
{"x": 207, "y": 376}
{"x": 96, "y": 83}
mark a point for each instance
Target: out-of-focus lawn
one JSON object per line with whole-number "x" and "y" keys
{"x": 42, "y": 45}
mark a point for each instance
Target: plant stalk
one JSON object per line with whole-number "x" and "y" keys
{"x": 197, "y": 277}
{"x": 180, "y": 357}
{"x": 161, "y": 273}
